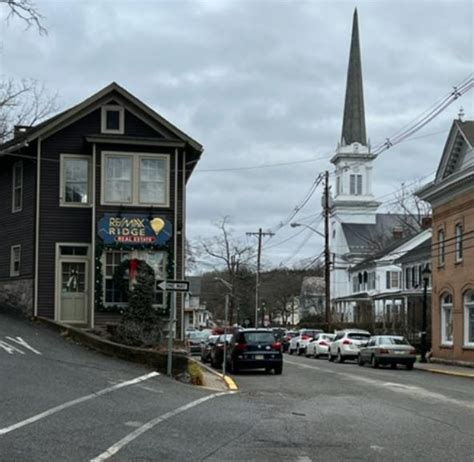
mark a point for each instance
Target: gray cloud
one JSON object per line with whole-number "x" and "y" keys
{"x": 260, "y": 82}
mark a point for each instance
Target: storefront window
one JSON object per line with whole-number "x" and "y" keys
{"x": 113, "y": 258}
{"x": 447, "y": 319}
{"x": 113, "y": 293}
{"x": 469, "y": 317}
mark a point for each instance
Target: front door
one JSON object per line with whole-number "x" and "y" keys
{"x": 73, "y": 291}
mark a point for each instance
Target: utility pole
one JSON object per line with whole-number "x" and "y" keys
{"x": 260, "y": 234}
{"x": 327, "y": 255}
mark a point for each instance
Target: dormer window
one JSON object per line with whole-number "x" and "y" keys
{"x": 112, "y": 120}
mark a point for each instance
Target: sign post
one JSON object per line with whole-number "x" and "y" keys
{"x": 173, "y": 287}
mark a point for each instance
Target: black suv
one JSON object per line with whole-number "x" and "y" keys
{"x": 255, "y": 349}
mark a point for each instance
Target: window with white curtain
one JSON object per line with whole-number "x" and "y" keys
{"x": 135, "y": 179}
{"x": 447, "y": 319}
{"x": 469, "y": 318}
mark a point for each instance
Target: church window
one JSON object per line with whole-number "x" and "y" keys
{"x": 338, "y": 185}
{"x": 355, "y": 185}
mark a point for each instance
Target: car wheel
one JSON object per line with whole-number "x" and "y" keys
{"x": 410, "y": 366}
{"x": 316, "y": 354}
{"x": 374, "y": 362}
{"x": 290, "y": 351}
{"x": 300, "y": 351}
{"x": 278, "y": 369}
{"x": 330, "y": 357}
{"x": 393, "y": 366}
{"x": 340, "y": 358}
{"x": 360, "y": 361}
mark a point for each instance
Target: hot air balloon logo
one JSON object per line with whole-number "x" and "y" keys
{"x": 157, "y": 224}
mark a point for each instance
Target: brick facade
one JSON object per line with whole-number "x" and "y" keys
{"x": 453, "y": 277}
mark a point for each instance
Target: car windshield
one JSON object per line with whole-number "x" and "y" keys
{"x": 393, "y": 341}
{"x": 310, "y": 333}
{"x": 198, "y": 335}
{"x": 258, "y": 337}
{"x": 358, "y": 336}
{"x": 326, "y": 337}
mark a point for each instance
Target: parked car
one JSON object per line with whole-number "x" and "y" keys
{"x": 286, "y": 339}
{"x": 194, "y": 340}
{"x": 319, "y": 345}
{"x": 206, "y": 348}
{"x": 298, "y": 343}
{"x": 217, "y": 350}
{"x": 388, "y": 349}
{"x": 346, "y": 344}
{"x": 255, "y": 349}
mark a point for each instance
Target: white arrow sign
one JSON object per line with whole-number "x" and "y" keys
{"x": 173, "y": 286}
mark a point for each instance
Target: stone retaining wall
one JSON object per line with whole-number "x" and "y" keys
{"x": 16, "y": 296}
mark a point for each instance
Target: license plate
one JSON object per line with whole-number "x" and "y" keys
{"x": 400, "y": 352}
{"x": 257, "y": 357}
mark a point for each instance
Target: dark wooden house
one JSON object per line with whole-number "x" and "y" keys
{"x": 100, "y": 183}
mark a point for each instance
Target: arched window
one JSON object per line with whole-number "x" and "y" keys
{"x": 447, "y": 319}
{"x": 469, "y": 317}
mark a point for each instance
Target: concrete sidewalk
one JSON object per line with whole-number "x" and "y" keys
{"x": 445, "y": 369}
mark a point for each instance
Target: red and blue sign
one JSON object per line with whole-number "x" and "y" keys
{"x": 133, "y": 230}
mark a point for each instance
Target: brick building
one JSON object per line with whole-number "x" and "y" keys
{"x": 451, "y": 195}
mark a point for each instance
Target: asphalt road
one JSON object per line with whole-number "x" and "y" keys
{"x": 60, "y": 402}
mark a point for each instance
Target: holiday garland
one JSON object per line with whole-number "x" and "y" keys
{"x": 120, "y": 272}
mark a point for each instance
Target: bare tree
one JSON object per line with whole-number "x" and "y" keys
{"x": 412, "y": 209}
{"x": 231, "y": 255}
{"x": 23, "y": 102}
{"x": 26, "y": 11}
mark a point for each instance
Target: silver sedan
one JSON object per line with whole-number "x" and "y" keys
{"x": 388, "y": 349}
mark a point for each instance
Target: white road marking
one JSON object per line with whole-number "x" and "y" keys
{"x": 376, "y": 448}
{"x": 304, "y": 459}
{"x": 152, "y": 423}
{"x": 9, "y": 348}
{"x": 410, "y": 390}
{"x": 61, "y": 407}
{"x": 22, "y": 342}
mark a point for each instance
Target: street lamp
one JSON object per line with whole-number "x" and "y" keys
{"x": 295, "y": 225}
{"x": 426, "y": 278}
{"x": 226, "y": 308}
{"x": 327, "y": 263}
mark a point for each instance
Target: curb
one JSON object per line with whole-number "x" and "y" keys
{"x": 229, "y": 381}
{"x": 154, "y": 359}
{"x": 443, "y": 372}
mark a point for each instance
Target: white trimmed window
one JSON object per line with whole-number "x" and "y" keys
{"x": 447, "y": 319}
{"x": 392, "y": 279}
{"x": 355, "y": 185}
{"x": 135, "y": 179}
{"x": 15, "y": 260}
{"x": 458, "y": 246}
{"x": 441, "y": 247}
{"x": 112, "y": 119}
{"x": 17, "y": 187}
{"x": 469, "y": 318}
{"x": 75, "y": 180}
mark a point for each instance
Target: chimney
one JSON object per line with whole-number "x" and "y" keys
{"x": 20, "y": 130}
{"x": 397, "y": 233}
{"x": 426, "y": 222}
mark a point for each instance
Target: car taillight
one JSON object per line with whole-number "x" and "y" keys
{"x": 240, "y": 346}
{"x": 346, "y": 342}
{"x": 384, "y": 351}
{"x": 413, "y": 352}
{"x": 276, "y": 346}
{"x": 323, "y": 343}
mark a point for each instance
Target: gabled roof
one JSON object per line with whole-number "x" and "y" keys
{"x": 421, "y": 252}
{"x": 460, "y": 138}
{"x": 393, "y": 252}
{"x": 455, "y": 172}
{"x": 364, "y": 238}
{"x": 72, "y": 113}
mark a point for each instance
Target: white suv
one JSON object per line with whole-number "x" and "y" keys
{"x": 346, "y": 344}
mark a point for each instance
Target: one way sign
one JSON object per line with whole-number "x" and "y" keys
{"x": 173, "y": 286}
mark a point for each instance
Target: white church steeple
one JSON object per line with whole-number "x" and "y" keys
{"x": 353, "y": 200}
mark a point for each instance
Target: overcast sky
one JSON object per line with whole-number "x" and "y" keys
{"x": 258, "y": 83}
